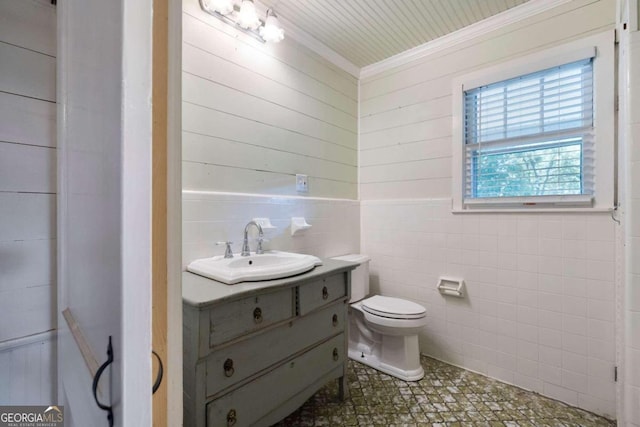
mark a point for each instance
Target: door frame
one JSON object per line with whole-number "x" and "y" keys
{"x": 167, "y": 209}
{"x": 130, "y": 129}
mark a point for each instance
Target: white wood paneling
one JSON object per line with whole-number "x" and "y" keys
{"x": 27, "y": 168}
{"x": 262, "y": 62}
{"x": 365, "y": 31}
{"x": 205, "y": 121}
{"x": 27, "y": 216}
{"x": 511, "y": 41}
{"x": 436, "y": 128}
{"x": 420, "y": 150}
{"x": 27, "y": 121}
{"x": 413, "y": 113}
{"x": 210, "y": 94}
{"x": 28, "y": 372}
{"x": 410, "y": 107}
{"x": 254, "y": 115}
{"x": 402, "y": 171}
{"x": 217, "y": 151}
{"x": 27, "y": 311}
{"x": 288, "y": 52}
{"x": 36, "y": 15}
{"x": 200, "y": 176}
{"x": 27, "y": 200}
{"x": 28, "y": 73}
{"x": 25, "y": 263}
{"x": 215, "y": 69}
{"x": 418, "y": 93}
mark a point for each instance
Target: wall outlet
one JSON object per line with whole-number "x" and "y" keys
{"x": 302, "y": 183}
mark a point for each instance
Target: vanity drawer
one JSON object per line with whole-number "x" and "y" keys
{"x": 236, "y": 362}
{"x": 247, "y": 405}
{"x": 236, "y": 318}
{"x": 316, "y": 294}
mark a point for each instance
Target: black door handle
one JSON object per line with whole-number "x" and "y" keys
{"x": 96, "y": 379}
{"x": 156, "y": 385}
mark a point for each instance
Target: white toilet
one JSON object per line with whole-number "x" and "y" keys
{"x": 383, "y": 331}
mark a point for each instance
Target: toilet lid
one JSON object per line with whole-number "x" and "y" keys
{"x": 395, "y": 308}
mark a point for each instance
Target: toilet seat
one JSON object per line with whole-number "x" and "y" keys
{"x": 393, "y": 308}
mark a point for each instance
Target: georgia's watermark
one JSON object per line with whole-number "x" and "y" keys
{"x": 31, "y": 416}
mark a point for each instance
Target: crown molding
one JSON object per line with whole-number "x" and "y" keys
{"x": 305, "y": 39}
{"x": 511, "y": 16}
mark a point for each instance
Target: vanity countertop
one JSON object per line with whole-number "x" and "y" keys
{"x": 200, "y": 291}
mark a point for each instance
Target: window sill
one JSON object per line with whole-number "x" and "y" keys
{"x": 525, "y": 210}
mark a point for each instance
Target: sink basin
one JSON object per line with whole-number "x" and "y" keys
{"x": 266, "y": 266}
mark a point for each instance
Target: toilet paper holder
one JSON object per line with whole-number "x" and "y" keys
{"x": 451, "y": 286}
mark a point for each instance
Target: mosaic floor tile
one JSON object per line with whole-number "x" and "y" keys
{"x": 446, "y": 397}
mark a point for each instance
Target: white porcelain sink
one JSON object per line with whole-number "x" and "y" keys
{"x": 270, "y": 265}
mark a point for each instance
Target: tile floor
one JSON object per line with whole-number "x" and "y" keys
{"x": 446, "y": 396}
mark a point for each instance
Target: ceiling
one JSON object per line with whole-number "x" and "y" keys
{"x": 367, "y": 31}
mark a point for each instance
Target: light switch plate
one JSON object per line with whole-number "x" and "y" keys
{"x": 302, "y": 183}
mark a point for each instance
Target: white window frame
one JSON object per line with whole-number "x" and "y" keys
{"x": 604, "y": 124}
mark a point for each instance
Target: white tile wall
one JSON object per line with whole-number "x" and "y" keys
{"x": 211, "y": 217}
{"x": 539, "y": 309}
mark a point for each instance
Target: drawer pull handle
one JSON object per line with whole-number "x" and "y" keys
{"x": 334, "y": 320}
{"x": 336, "y": 356}
{"x": 325, "y": 292}
{"x": 228, "y": 368}
{"x": 231, "y": 418}
{"x": 257, "y": 315}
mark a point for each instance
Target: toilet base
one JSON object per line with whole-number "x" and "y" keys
{"x": 373, "y": 361}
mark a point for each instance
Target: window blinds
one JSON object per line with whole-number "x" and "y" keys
{"x": 531, "y": 136}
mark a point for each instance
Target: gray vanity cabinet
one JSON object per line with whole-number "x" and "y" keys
{"x": 254, "y": 352}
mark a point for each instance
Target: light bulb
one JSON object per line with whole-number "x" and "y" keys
{"x": 248, "y": 17}
{"x": 223, "y": 7}
{"x": 272, "y": 32}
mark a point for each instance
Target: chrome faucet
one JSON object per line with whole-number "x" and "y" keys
{"x": 245, "y": 243}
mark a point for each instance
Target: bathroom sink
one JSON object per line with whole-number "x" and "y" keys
{"x": 266, "y": 266}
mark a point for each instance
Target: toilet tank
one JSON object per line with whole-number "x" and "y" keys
{"x": 359, "y": 276}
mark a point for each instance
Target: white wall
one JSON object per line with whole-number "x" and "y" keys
{"x": 253, "y": 116}
{"x": 540, "y": 310}
{"x": 632, "y": 213}
{"x": 27, "y": 201}
{"x": 256, "y": 114}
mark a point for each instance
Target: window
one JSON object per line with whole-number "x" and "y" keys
{"x": 531, "y": 140}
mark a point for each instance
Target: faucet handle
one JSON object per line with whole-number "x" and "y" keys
{"x": 259, "y": 249}
{"x": 228, "y": 253}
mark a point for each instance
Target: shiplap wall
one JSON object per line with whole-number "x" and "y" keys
{"x": 540, "y": 309}
{"x": 27, "y": 200}
{"x": 405, "y": 113}
{"x": 256, "y": 114}
{"x": 253, "y": 116}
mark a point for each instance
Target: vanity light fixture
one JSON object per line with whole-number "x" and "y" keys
{"x": 271, "y": 31}
{"x": 223, "y": 7}
{"x": 248, "y": 17}
{"x": 244, "y": 17}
